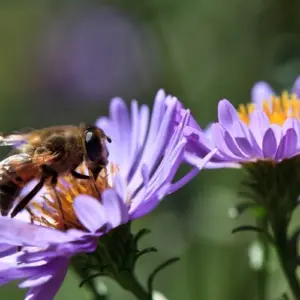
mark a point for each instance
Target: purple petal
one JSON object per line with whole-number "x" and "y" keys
{"x": 107, "y": 125}
{"x": 114, "y": 207}
{"x": 269, "y": 144}
{"x": 15, "y": 232}
{"x": 11, "y": 268}
{"x": 143, "y": 124}
{"x": 163, "y": 175}
{"x": 142, "y": 192}
{"x": 145, "y": 208}
{"x": 35, "y": 281}
{"x": 157, "y": 115}
{"x": 156, "y": 140}
{"x": 260, "y": 92}
{"x": 245, "y": 139}
{"x": 198, "y": 142}
{"x": 145, "y": 175}
{"x": 227, "y": 114}
{"x": 193, "y": 160}
{"x": 259, "y": 124}
{"x": 49, "y": 289}
{"x": 218, "y": 136}
{"x": 207, "y": 130}
{"x": 89, "y": 212}
{"x": 135, "y": 123}
{"x": 240, "y": 129}
{"x": 291, "y": 123}
{"x": 86, "y": 243}
{"x": 200, "y": 163}
{"x": 120, "y": 118}
{"x": 6, "y": 250}
{"x": 232, "y": 146}
{"x": 245, "y": 146}
{"x": 167, "y": 168}
{"x": 296, "y": 87}
{"x": 120, "y": 186}
{"x": 179, "y": 131}
{"x": 277, "y": 129}
{"x": 288, "y": 145}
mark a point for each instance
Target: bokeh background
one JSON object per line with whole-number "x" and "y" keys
{"x": 62, "y": 61}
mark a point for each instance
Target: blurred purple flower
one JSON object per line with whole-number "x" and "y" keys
{"x": 144, "y": 158}
{"x": 96, "y": 53}
{"x": 266, "y": 129}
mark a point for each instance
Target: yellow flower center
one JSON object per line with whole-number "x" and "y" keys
{"x": 57, "y": 210}
{"x": 277, "y": 109}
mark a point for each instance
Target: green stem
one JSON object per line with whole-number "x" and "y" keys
{"x": 129, "y": 282}
{"x": 262, "y": 276}
{"x": 290, "y": 274}
{"x": 286, "y": 259}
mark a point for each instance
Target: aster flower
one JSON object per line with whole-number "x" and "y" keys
{"x": 265, "y": 129}
{"x": 144, "y": 157}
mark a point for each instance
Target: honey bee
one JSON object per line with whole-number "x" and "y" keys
{"x": 45, "y": 154}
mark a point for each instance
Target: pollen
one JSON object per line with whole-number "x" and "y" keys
{"x": 277, "y": 110}
{"x": 56, "y": 209}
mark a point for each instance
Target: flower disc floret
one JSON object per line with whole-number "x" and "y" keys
{"x": 277, "y": 109}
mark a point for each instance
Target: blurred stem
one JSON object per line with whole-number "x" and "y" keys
{"x": 262, "y": 276}
{"x": 287, "y": 260}
{"x": 130, "y": 283}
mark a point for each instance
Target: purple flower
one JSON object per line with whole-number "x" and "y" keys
{"x": 266, "y": 129}
{"x": 151, "y": 151}
{"x": 145, "y": 155}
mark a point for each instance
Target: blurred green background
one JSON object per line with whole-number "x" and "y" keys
{"x": 62, "y": 61}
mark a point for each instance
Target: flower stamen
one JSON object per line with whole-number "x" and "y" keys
{"x": 278, "y": 109}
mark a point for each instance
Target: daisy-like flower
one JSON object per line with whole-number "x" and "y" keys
{"x": 144, "y": 157}
{"x": 267, "y": 129}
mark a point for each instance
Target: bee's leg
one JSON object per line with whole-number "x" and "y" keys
{"x": 58, "y": 202}
{"x": 95, "y": 173}
{"x": 54, "y": 177}
{"x": 22, "y": 204}
{"x": 31, "y": 214}
{"x": 79, "y": 176}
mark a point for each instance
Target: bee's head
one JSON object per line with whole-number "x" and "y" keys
{"x": 95, "y": 144}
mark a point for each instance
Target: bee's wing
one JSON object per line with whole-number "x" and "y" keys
{"x": 21, "y": 162}
{"x": 14, "y": 139}
{"x": 18, "y": 159}
{"x": 16, "y": 164}
{"x": 44, "y": 158}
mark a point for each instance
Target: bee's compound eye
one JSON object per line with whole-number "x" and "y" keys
{"x": 93, "y": 145}
{"x": 89, "y": 136}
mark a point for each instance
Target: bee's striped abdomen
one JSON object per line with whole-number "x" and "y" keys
{"x": 14, "y": 174}
{"x": 8, "y": 193}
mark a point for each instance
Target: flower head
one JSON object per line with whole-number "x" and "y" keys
{"x": 145, "y": 155}
{"x": 268, "y": 129}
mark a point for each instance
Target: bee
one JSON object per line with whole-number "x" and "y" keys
{"x": 45, "y": 154}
